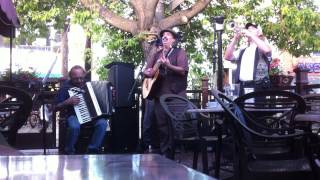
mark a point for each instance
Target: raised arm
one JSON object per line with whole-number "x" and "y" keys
{"x": 228, "y": 55}
{"x": 261, "y": 44}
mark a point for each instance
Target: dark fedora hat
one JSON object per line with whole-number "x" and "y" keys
{"x": 174, "y": 34}
{"x": 251, "y": 24}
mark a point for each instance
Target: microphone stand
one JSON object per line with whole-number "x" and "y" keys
{"x": 136, "y": 79}
{"x": 130, "y": 99}
{"x": 44, "y": 128}
{"x": 42, "y": 96}
{"x": 133, "y": 87}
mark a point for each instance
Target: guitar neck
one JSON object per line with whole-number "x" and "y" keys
{"x": 157, "y": 66}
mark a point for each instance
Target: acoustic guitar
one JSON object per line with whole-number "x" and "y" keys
{"x": 148, "y": 83}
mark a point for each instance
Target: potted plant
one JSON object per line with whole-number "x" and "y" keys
{"x": 24, "y": 79}
{"x": 278, "y": 76}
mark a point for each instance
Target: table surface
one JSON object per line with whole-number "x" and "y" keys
{"x": 217, "y": 109}
{"x": 308, "y": 117}
{"x": 118, "y": 167}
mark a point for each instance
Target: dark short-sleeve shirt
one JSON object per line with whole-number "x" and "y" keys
{"x": 62, "y": 95}
{"x": 168, "y": 80}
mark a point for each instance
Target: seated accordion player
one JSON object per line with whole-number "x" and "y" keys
{"x": 95, "y": 101}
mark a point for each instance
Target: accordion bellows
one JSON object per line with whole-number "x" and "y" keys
{"x": 95, "y": 101}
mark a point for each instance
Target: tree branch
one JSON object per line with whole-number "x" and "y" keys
{"x": 182, "y": 17}
{"x": 139, "y": 11}
{"x": 145, "y": 11}
{"x": 151, "y": 6}
{"x": 110, "y": 17}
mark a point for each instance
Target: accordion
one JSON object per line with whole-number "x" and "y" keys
{"x": 95, "y": 101}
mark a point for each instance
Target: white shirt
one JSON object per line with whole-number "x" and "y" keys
{"x": 247, "y": 63}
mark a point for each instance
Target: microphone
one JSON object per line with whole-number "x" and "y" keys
{"x": 151, "y": 41}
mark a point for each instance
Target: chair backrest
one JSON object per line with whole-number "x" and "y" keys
{"x": 313, "y": 103}
{"x": 184, "y": 124}
{"x": 238, "y": 119}
{"x": 15, "y": 106}
{"x": 245, "y": 147}
{"x": 271, "y": 109}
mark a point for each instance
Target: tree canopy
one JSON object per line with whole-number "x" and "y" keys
{"x": 124, "y": 27}
{"x": 36, "y": 17}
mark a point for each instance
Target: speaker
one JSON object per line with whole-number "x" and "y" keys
{"x": 121, "y": 76}
{"x": 124, "y": 130}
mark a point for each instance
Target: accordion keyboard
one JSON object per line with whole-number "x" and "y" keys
{"x": 80, "y": 109}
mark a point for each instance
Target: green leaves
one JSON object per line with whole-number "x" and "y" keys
{"x": 290, "y": 24}
{"x": 35, "y": 17}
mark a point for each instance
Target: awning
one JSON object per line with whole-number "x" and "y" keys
{"x": 8, "y": 18}
{"x": 8, "y": 22}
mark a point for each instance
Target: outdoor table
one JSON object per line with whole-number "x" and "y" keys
{"x": 217, "y": 110}
{"x": 107, "y": 166}
{"x": 6, "y": 150}
{"x": 308, "y": 117}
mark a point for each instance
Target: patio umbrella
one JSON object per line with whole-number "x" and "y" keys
{"x": 8, "y": 22}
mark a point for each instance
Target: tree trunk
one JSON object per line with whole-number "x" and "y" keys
{"x": 148, "y": 49}
{"x": 65, "y": 50}
{"x": 88, "y": 58}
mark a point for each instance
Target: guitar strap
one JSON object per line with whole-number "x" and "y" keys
{"x": 166, "y": 56}
{"x": 169, "y": 53}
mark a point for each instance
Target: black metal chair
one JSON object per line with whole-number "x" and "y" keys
{"x": 313, "y": 103}
{"x": 310, "y": 122}
{"x": 273, "y": 111}
{"x": 84, "y": 136}
{"x": 189, "y": 128}
{"x": 311, "y": 119}
{"x": 15, "y": 107}
{"x": 279, "y": 108}
{"x": 252, "y": 133}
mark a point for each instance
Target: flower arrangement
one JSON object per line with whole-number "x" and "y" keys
{"x": 22, "y": 79}
{"x": 277, "y": 75}
{"x": 20, "y": 75}
{"x": 275, "y": 67}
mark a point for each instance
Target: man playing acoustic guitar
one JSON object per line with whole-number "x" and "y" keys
{"x": 169, "y": 68}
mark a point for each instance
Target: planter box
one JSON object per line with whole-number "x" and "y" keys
{"x": 281, "y": 80}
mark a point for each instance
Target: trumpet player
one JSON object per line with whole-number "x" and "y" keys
{"x": 252, "y": 61}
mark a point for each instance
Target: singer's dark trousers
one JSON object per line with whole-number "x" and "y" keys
{"x": 149, "y": 121}
{"x": 164, "y": 129}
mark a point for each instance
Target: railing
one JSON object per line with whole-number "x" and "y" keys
{"x": 302, "y": 87}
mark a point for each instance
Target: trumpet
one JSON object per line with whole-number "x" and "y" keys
{"x": 233, "y": 26}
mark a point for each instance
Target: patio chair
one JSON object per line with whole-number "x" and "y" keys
{"x": 248, "y": 164}
{"x": 313, "y": 103}
{"x": 15, "y": 107}
{"x": 272, "y": 111}
{"x": 310, "y": 121}
{"x": 86, "y": 131}
{"x": 189, "y": 128}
